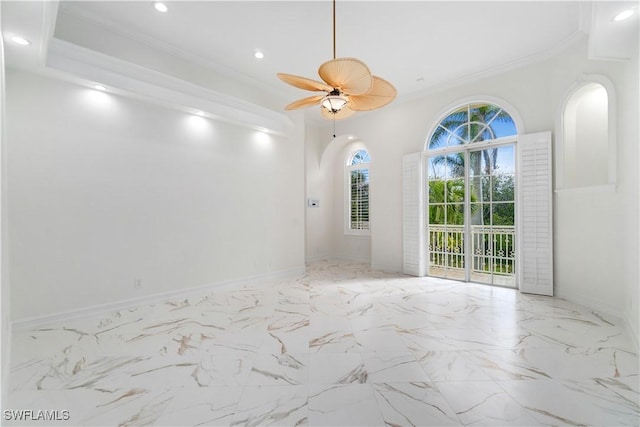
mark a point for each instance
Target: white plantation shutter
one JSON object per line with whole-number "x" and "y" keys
{"x": 535, "y": 214}
{"x": 413, "y": 215}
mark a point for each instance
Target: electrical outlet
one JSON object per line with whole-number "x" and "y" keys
{"x": 137, "y": 283}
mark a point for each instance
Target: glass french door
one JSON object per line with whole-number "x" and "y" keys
{"x": 471, "y": 215}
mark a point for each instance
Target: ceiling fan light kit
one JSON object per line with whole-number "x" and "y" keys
{"x": 349, "y": 85}
{"x": 334, "y": 102}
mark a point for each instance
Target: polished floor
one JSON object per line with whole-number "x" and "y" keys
{"x": 341, "y": 346}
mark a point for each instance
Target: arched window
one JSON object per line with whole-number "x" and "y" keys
{"x": 470, "y": 124}
{"x": 357, "y": 180}
{"x": 470, "y": 202}
{"x": 586, "y": 143}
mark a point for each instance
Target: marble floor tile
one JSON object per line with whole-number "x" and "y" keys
{"x": 577, "y": 402}
{"x": 333, "y": 342}
{"x": 341, "y": 345}
{"x": 280, "y": 369}
{"x": 484, "y": 403}
{"x": 393, "y": 367}
{"x": 414, "y": 404}
{"x": 380, "y": 341}
{"x": 344, "y": 405}
{"x": 336, "y": 368}
{"x": 452, "y": 365}
{"x": 272, "y": 405}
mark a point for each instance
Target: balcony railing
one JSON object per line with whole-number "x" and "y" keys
{"x": 492, "y": 251}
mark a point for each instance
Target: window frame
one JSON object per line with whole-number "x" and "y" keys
{"x": 467, "y": 146}
{"x": 349, "y": 168}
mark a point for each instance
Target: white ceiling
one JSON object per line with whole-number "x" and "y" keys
{"x": 416, "y": 45}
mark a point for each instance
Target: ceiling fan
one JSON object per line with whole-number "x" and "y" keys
{"x": 348, "y": 83}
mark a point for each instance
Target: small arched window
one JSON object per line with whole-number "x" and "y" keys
{"x": 358, "y": 192}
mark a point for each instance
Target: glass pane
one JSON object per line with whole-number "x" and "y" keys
{"x": 475, "y": 189}
{"x": 503, "y": 188}
{"x": 436, "y": 191}
{"x": 480, "y": 132}
{"x": 454, "y": 166}
{"x": 475, "y": 162}
{"x": 492, "y": 112}
{"x": 505, "y": 160}
{"x": 455, "y": 214}
{"x": 480, "y": 214}
{"x": 503, "y": 126}
{"x": 436, "y": 167}
{"x": 458, "y": 137}
{"x": 439, "y": 138}
{"x": 436, "y": 214}
{"x": 476, "y": 213}
{"x": 489, "y": 160}
{"x": 478, "y": 163}
{"x": 480, "y": 191}
{"x": 454, "y": 120}
{"x": 361, "y": 156}
{"x": 455, "y": 191}
{"x": 503, "y": 214}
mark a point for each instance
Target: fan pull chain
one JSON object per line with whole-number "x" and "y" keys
{"x": 334, "y": 125}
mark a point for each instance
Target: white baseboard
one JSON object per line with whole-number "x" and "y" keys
{"x": 337, "y": 258}
{"x": 100, "y": 309}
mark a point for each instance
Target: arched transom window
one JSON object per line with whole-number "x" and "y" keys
{"x": 470, "y": 124}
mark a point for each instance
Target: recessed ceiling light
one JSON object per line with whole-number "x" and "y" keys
{"x": 20, "y": 40}
{"x": 160, "y": 7}
{"x": 100, "y": 87}
{"x": 258, "y": 54}
{"x": 625, "y": 14}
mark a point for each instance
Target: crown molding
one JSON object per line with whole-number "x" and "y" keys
{"x": 568, "y": 42}
{"x": 153, "y": 86}
{"x": 167, "y": 48}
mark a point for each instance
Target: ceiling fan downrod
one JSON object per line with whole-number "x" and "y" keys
{"x": 334, "y": 29}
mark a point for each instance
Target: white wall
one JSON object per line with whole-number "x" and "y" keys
{"x": 5, "y": 295}
{"x": 325, "y": 174}
{"x": 596, "y": 251}
{"x": 629, "y": 178}
{"x": 104, "y": 189}
{"x": 596, "y": 232}
{"x": 318, "y": 220}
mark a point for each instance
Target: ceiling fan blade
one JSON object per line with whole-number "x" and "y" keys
{"x": 350, "y": 75}
{"x": 305, "y": 102}
{"x": 304, "y": 83}
{"x": 380, "y": 95}
{"x": 342, "y": 114}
